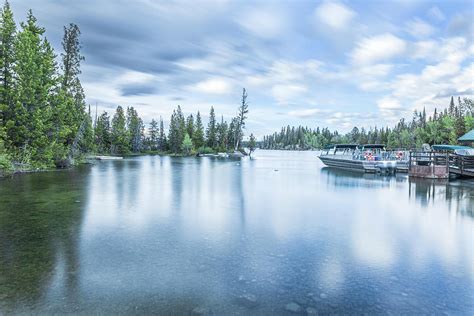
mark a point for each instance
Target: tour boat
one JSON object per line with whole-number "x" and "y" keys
{"x": 364, "y": 158}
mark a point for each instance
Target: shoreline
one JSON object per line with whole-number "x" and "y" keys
{"x": 87, "y": 160}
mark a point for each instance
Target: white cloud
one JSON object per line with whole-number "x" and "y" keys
{"x": 287, "y": 82}
{"x": 453, "y": 48}
{"x": 440, "y": 70}
{"x": 377, "y": 48}
{"x": 423, "y": 49}
{"x": 213, "y": 86}
{"x": 378, "y": 70}
{"x": 346, "y": 120}
{"x": 335, "y": 15}
{"x": 130, "y": 77}
{"x": 419, "y": 28}
{"x": 444, "y": 73}
{"x": 436, "y": 14}
{"x": 305, "y": 113}
{"x": 263, "y": 22}
{"x": 390, "y": 108}
{"x": 285, "y": 93}
{"x": 371, "y": 77}
{"x": 389, "y": 103}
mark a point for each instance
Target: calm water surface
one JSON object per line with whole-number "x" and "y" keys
{"x": 172, "y": 235}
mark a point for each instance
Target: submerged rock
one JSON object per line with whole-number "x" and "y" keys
{"x": 248, "y": 300}
{"x": 293, "y": 307}
{"x": 311, "y": 311}
{"x": 323, "y": 295}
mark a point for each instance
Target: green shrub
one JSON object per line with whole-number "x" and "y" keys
{"x": 6, "y": 166}
{"x": 59, "y": 153}
{"x": 205, "y": 150}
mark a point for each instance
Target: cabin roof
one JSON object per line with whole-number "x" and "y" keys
{"x": 448, "y": 147}
{"x": 468, "y": 137}
{"x": 373, "y": 146}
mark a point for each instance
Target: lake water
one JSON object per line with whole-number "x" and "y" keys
{"x": 264, "y": 236}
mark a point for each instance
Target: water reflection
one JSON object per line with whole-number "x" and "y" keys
{"x": 338, "y": 178}
{"x": 168, "y": 235}
{"x": 40, "y": 220}
{"x": 457, "y": 195}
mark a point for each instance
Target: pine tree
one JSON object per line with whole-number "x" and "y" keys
{"x": 222, "y": 135}
{"x": 75, "y": 120}
{"x": 87, "y": 143}
{"x": 120, "y": 142}
{"x": 181, "y": 124}
{"x": 190, "y": 125}
{"x": 198, "y": 135}
{"x": 177, "y": 130}
{"x": 173, "y": 133}
{"x": 241, "y": 117}
{"x": 451, "y": 107}
{"x": 7, "y": 53}
{"x": 460, "y": 126}
{"x": 135, "y": 130}
{"x": 162, "y": 143}
{"x": 153, "y": 133}
{"x": 232, "y": 132}
{"x": 102, "y": 133}
{"x": 252, "y": 144}
{"x": 71, "y": 58}
{"x": 35, "y": 68}
{"x": 211, "y": 130}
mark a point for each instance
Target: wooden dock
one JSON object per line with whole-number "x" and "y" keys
{"x": 461, "y": 165}
{"x": 435, "y": 165}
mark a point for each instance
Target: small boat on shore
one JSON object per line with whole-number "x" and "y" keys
{"x": 365, "y": 158}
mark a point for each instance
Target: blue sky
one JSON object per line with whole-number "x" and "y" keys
{"x": 331, "y": 64}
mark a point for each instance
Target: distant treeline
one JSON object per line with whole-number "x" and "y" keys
{"x": 443, "y": 127}
{"x": 186, "y": 135}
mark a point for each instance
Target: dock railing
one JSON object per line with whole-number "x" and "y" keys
{"x": 454, "y": 163}
{"x": 428, "y": 158}
{"x": 463, "y": 165}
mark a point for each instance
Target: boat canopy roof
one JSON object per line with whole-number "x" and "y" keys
{"x": 374, "y": 146}
{"x": 345, "y": 146}
{"x": 468, "y": 137}
{"x": 448, "y": 147}
{"x": 341, "y": 146}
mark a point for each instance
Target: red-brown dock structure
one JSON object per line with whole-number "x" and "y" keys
{"x": 441, "y": 162}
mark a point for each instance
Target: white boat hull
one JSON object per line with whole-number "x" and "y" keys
{"x": 359, "y": 165}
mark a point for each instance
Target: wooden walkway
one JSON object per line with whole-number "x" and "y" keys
{"x": 440, "y": 165}
{"x": 461, "y": 165}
